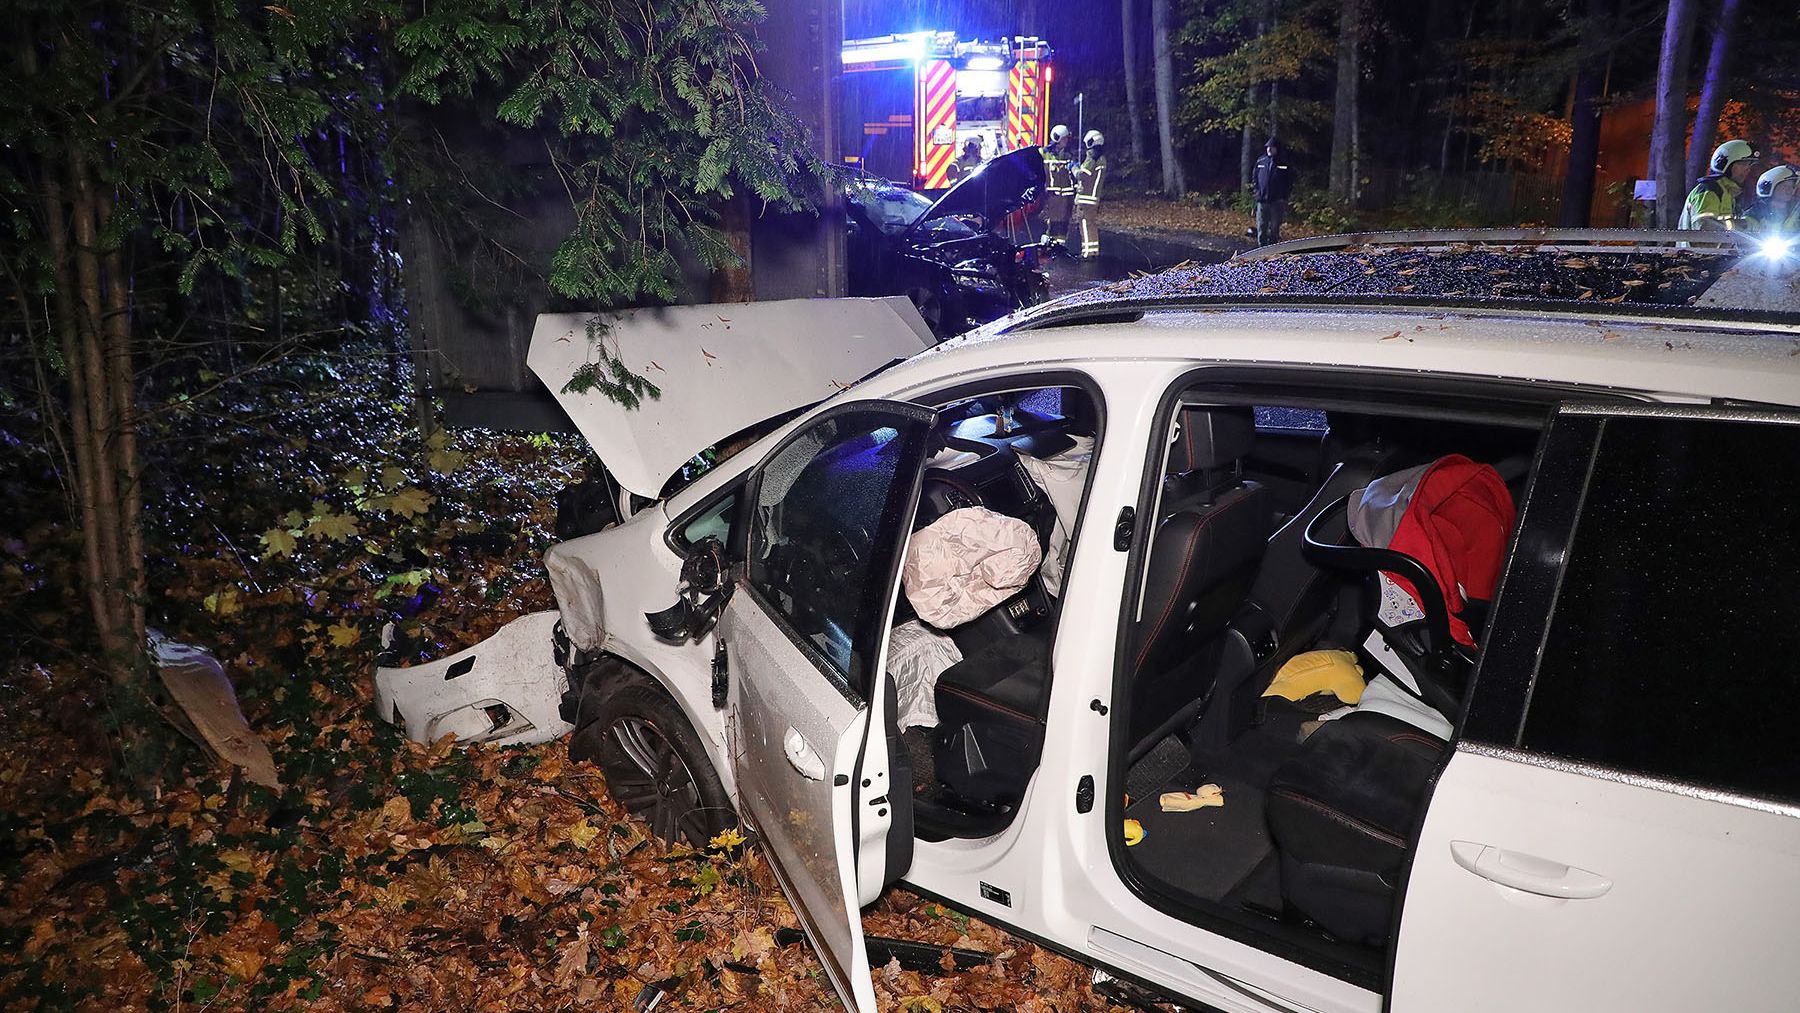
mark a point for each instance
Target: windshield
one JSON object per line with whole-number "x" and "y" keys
{"x": 893, "y": 209}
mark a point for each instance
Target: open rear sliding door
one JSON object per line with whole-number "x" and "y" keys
{"x": 805, "y": 630}
{"x": 1618, "y": 826}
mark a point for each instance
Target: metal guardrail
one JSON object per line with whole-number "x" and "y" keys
{"x": 1561, "y": 240}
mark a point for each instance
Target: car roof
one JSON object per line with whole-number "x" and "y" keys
{"x": 1706, "y": 359}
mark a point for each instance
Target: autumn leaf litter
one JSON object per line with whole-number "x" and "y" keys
{"x": 388, "y": 875}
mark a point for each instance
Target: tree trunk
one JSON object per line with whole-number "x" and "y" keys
{"x": 1247, "y": 144}
{"x": 1247, "y": 150}
{"x": 1667, "y": 161}
{"x": 92, "y": 307}
{"x": 1712, "y": 89}
{"x": 1133, "y": 111}
{"x": 1174, "y": 182}
{"x": 1584, "y": 127}
{"x": 1343, "y": 126}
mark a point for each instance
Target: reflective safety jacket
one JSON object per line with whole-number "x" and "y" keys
{"x": 1059, "y": 165}
{"x": 1712, "y": 204}
{"x": 1088, "y": 177}
{"x": 1765, "y": 219}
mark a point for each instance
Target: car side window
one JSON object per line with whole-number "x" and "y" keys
{"x": 825, "y": 532}
{"x": 1673, "y": 647}
{"x": 714, "y": 520}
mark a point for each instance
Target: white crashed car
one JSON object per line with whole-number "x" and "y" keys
{"x": 1037, "y": 621}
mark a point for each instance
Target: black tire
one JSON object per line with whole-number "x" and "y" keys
{"x": 654, "y": 763}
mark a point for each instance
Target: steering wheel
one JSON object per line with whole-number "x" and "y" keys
{"x": 1435, "y": 659}
{"x": 941, "y": 492}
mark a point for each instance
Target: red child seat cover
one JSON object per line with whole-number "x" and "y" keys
{"x": 1453, "y": 515}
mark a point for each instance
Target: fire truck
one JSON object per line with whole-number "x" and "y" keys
{"x": 909, "y": 103}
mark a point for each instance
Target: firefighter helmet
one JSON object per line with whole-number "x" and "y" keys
{"x": 1768, "y": 181}
{"x": 1730, "y": 153}
{"x": 1093, "y": 139}
{"x": 1059, "y": 133}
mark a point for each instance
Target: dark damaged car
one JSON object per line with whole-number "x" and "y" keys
{"x": 947, "y": 255}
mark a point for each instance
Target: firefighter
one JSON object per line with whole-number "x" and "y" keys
{"x": 968, "y": 162}
{"x": 1059, "y": 167}
{"x": 1089, "y": 176}
{"x": 1777, "y": 208}
{"x": 1272, "y": 180}
{"x": 1713, "y": 203}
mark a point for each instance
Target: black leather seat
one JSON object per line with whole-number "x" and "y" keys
{"x": 991, "y": 717}
{"x": 1207, "y": 548}
{"x": 1341, "y": 811}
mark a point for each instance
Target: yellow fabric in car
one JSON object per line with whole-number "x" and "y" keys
{"x": 1334, "y": 672}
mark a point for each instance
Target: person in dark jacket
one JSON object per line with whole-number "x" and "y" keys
{"x": 1273, "y": 180}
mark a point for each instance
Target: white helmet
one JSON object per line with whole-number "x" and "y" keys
{"x": 1093, "y": 139}
{"x": 1059, "y": 133}
{"x": 1730, "y": 153}
{"x": 1768, "y": 181}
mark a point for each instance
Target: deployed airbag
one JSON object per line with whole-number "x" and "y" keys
{"x": 966, "y": 562}
{"x": 917, "y": 655}
{"x": 1062, "y": 476}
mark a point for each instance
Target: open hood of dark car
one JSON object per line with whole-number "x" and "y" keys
{"x": 994, "y": 190}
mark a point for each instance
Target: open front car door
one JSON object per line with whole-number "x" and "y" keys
{"x": 808, "y": 705}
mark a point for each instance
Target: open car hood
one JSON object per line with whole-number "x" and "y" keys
{"x": 720, "y": 369}
{"x": 996, "y": 189}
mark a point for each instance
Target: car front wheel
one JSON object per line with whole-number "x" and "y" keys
{"x": 654, "y": 763}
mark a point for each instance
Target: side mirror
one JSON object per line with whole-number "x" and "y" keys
{"x": 703, "y": 591}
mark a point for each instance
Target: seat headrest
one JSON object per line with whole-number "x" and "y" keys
{"x": 1211, "y": 438}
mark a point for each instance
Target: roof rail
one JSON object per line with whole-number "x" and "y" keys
{"x": 1565, "y": 240}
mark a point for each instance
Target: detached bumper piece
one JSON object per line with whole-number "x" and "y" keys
{"x": 505, "y": 690}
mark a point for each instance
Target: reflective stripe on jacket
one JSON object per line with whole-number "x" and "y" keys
{"x": 1088, "y": 179}
{"x": 1712, "y": 204}
{"x": 1060, "y": 171}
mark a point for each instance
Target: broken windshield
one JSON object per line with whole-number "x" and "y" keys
{"x": 893, "y": 208}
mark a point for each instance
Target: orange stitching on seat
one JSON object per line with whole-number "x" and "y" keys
{"x": 1186, "y": 562}
{"x": 1344, "y": 818}
{"x": 988, "y": 702}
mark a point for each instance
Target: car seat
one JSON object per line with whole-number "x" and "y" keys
{"x": 1205, "y": 554}
{"x": 1341, "y": 809}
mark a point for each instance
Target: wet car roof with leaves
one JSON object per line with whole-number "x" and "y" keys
{"x": 1649, "y": 279}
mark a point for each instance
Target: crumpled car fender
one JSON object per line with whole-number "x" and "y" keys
{"x": 507, "y": 689}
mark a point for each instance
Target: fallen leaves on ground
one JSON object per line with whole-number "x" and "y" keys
{"x": 388, "y": 875}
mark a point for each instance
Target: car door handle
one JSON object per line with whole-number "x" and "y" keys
{"x": 802, "y": 757}
{"x": 1528, "y": 872}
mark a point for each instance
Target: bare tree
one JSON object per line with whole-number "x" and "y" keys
{"x": 1133, "y": 111}
{"x": 1712, "y": 88}
{"x": 1344, "y": 121}
{"x": 1174, "y": 182}
{"x": 1666, "y": 152}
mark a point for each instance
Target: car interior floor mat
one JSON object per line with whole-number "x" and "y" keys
{"x": 1207, "y": 852}
{"x": 917, "y": 743}
{"x": 1148, "y": 776}
{"x": 1261, "y": 890}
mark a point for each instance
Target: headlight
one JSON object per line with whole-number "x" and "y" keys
{"x": 977, "y": 276}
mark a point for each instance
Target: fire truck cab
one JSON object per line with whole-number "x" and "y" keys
{"x": 909, "y": 103}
